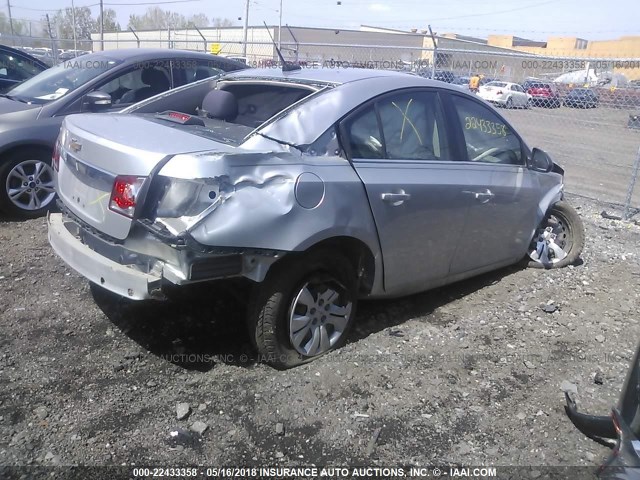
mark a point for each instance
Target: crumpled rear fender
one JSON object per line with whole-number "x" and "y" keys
{"x": 280, "y": 201}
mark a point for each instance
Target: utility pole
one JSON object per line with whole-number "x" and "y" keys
{"x": 54, "y": 48}
{"x": 101, "y": 26}
{"x": 11, "y": 19}
{"x": 245, "y": 29}
{"x": 75, "y": 40}
{"x": 280, "y": 28}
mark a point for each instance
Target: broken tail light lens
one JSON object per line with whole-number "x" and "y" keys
{"x": 125, "y": 193}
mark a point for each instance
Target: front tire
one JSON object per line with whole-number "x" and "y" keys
{"x": 26, "y": 184}
{"x": 565, "y": 224}
{"x": 303, "y": 309}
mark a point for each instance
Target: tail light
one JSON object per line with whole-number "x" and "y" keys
{"x": 124, "y": 195}
{"x": 499, "y": 92}
{"x": 55, "y": 158}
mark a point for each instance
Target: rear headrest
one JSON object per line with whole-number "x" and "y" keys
{"x": 220, "y": 104}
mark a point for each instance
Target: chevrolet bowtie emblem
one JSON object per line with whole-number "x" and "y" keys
{"x": 75, "y": 145}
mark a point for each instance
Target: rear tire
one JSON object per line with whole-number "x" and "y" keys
{"x": 509, "y": 103}
{"x": 568, "y": 227}
{"x": 303, "y": 309}
{"x": 26, "y": 184}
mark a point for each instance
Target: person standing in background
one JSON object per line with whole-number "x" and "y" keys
{"x": 474, "y": 83}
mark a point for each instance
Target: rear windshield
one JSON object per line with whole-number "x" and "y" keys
{"x": 496, "y": 84}
{"x": 257, "y": 103}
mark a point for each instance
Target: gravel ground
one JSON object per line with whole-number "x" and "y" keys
{"x": 468, "y": 374}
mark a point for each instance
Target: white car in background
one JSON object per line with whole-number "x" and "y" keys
{"x": 505, "y": 94}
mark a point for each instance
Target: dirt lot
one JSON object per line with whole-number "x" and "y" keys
{"x": 467, "y": 374}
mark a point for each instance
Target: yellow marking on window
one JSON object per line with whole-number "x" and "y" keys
{"x": 407, "y": 120}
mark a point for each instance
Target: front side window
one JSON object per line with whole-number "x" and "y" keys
{"x": 488, "y": 139}
{"x": 411, "y": 128}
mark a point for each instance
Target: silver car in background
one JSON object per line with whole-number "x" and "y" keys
{"x": 318, "y": 186}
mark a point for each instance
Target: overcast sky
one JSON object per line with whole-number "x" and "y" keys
{"x": 590, "y": 19}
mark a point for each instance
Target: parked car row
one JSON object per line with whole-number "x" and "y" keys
{"x": 47, "y": 54}
{"x": 531, "y": 93}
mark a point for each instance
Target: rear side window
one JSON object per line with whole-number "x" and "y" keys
{"x": 188, "y": 70}
{"x": 406, "y": 126}
{"x": 488, "y": 139}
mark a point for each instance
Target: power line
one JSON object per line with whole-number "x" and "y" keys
{"x": 151, "y": 3}
{"x": 49, "y": 9}
{"x": 124, "y": 4}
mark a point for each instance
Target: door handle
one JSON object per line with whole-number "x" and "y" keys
{"x": 395, "y": 198}
{"x": 484, "y": 196}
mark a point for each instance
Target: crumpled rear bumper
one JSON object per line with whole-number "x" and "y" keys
{"x": 121, "y": 279}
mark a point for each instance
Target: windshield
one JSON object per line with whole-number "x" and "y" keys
{"x": 496, "y": 84}
{"x": 58, "y": 81}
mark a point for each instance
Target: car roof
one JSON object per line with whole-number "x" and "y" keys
{"x": 331, "y": 76}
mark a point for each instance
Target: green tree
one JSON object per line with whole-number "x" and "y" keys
{"x": 221, "y": 22}
{"x": 155, "y": 18}
{"x": 110, "y": 21}
{"x": 199, "y": 20}
{"x": 20, "y": 27}
{"x": 63, "y": 25}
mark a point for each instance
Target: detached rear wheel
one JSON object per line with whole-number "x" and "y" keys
{"x": 303, "y": 309}
{"x": 559, "y": 240}
{"x": 26, "y": 184}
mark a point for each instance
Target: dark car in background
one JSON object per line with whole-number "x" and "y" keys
{"x": 581, "y": 98}
{"x": 543, "y": 94}
{"x": 17, "y": 66}
{"x": 31, "y": 113}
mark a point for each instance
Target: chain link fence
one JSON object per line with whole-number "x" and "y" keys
{"x": 584, "y": 111}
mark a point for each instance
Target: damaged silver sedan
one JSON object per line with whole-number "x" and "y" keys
{"x": 320, "y": 187}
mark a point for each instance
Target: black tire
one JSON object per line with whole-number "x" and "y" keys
{"x": 272, "y": 302}
{"x": 28, "y": 157}
{"x": 509, "y": 103}
{"x": 570, "y": 231}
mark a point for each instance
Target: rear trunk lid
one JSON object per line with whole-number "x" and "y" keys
{"x": 98, "y": 147}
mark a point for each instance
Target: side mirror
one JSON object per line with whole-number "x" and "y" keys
{"x": 540, "y": 161}
{"x": 97, "y": 101}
